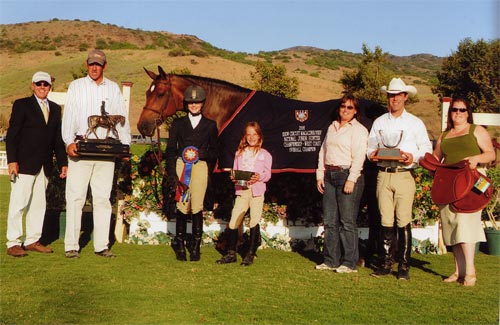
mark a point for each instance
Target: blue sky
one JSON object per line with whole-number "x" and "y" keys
{"x": 400, "y": 27}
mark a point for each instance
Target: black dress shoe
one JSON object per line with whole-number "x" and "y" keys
{"x": 403, "y": 272}
{"x": 384, "y": 270}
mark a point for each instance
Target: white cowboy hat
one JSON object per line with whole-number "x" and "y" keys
{"x": 397, "y": 86}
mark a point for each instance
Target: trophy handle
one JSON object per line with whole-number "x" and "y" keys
{"x": 390, "y": 146}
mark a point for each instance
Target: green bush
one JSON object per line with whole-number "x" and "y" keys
{"x": 176, "y": 52}
{"x": 494, "y": 174}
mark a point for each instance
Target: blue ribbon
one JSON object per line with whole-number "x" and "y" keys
{"x": 190, "y": 156}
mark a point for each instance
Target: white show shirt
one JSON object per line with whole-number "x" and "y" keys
{"x": 414, "y": 138}
{"x": 194, "y": 119}
{"x": 84, "y": 98}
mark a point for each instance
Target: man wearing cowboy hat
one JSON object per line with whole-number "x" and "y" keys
{"x": 395, "y": 183}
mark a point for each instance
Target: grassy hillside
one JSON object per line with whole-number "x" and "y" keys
{"x": 60, "y": 47}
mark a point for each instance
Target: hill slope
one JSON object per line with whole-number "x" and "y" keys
{"x": 60, "y": 47}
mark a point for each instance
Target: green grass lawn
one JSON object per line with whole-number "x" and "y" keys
{"x": 146, "y": 285}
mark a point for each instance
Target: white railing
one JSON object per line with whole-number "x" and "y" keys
{"x": 3, "y": 161}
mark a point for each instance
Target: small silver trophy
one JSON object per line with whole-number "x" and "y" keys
{"x": 241, "y": 177}
{"x": 390, "y": 140}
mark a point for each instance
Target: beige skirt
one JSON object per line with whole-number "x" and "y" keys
{"x": 461, "y": 227}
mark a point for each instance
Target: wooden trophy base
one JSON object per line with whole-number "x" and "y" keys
{"x": 102, "y": 148}
{"x": 392, "y": 154}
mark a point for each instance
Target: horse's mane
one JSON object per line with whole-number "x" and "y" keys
{"x": 212, "y": 82}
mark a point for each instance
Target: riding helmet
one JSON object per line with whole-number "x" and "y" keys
{"x": 194, "y": 94}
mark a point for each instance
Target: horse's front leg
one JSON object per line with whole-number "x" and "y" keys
{"x": 89, "y": 131}
{"x": 115, "y": 133}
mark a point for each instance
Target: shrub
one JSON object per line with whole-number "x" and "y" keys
{"x": 176, "y": 52}
{"x": 425, "y": 212}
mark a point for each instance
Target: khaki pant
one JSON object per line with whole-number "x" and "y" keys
{"x": 197, "y": 186}
{"x": 99, "y": 174}
{"x": 395, "y": 194}
{"x": 241, "y": 205}
{"x": 27, "y": 194}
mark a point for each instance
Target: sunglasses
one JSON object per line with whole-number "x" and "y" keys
{"x": 42, "y": 83}
{"x": 348, "y": 107}
{"x": 462, "y": 110}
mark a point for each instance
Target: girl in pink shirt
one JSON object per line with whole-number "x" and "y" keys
{"x": 250, "y": 157}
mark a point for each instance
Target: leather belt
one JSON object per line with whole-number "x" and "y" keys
{"x": 335, "y": 168}
{"x": 394, "y": 169}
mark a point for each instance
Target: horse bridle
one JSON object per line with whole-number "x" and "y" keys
{"x": 159, "y": 121}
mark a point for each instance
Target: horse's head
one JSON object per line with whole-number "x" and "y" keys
{"x": 161, "y": 101}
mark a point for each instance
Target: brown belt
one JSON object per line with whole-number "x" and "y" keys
{"x": 335, "y": 168}
{"x": 393, "y": 169}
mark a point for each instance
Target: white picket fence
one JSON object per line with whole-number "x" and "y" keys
{"x": 3, "y": 162}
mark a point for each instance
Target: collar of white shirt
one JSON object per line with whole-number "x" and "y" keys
{"x": 194, "y": 119}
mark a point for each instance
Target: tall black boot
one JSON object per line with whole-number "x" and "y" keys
{"x": 404, "y": 252}
{"x": 178, "y": 244}
{"x": 232, "y": 238}
{"x": 255, "y": 242}
{"x": 197, "y": 231}
{"x": 387, "y": 252}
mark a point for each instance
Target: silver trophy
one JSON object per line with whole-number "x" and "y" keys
{"x": 390, "y": 140}
{"x": 241, "y": 177}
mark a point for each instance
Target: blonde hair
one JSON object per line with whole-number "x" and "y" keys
{"x": 243, "y": 141}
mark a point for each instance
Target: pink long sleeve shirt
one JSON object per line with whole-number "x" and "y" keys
{"x": 261, "y": 164}
{"x": 344, "y": 146}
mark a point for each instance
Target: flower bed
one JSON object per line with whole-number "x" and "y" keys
{"x": 151, "y": 229}
{"x": 282, "y": 225}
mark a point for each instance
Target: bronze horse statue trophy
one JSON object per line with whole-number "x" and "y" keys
{"x": 107, "y": 121}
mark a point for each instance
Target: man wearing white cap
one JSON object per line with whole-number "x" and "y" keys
{"x": 85, "y": 98}
{"x": 33, "y": 137}
{"x": 395, "y": 183}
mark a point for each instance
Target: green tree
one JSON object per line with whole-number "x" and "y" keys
{"x": 473, "y": 72}
{"x": 365, "y": 82}
{"x": 273, "y": 79}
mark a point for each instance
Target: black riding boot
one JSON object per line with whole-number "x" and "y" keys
{"x": 178, "y": 244}
{"x": 255, "y": 242}
{"x": 232, "y": 238}
{"x": 404, "y": 252}
{"x": 387, "y": 253}
{"x": 197, "y": 231}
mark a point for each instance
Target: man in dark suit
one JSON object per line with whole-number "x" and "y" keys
{"x": 33, "y": 136}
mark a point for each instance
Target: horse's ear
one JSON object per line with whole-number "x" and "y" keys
{"x": 151, "y": 74}
{"x": 163, "y": 75}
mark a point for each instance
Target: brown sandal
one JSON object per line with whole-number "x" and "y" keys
{"x": 470, "y": 280}
{"x": 452, "y": 278}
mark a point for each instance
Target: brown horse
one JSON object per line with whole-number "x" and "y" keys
{"x": 166, "y": 94}
{"x": 293, "y": 129}
{"x": 281, "y": 119}
{"x": 106, "y": 121}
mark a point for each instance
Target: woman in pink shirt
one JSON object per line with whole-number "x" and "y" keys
{"x": 250, "y": 157}
{"x": 340, "y": 181}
